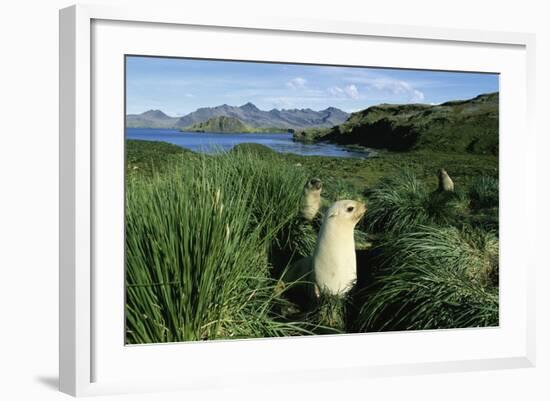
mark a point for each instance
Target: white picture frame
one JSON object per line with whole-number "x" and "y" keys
{"x": 93, "y": 360}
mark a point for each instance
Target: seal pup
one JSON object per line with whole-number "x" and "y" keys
{"x": 311, "y": 199}
{"x": 445, "y": 182}
{"x": 334, "y": 262}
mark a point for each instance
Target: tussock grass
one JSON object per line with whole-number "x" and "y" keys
{"x": 433, "y": 277}
{"x": 337, "y": 189}
{"x": 331, "y": 313}
{"x": 196, "y": 249}
{"x": 402, "y": 201}
{"x": 483, "y": 192}
{"x": 208, "y": 237}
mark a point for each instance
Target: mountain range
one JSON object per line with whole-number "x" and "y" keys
{"x": 248, "y": 114}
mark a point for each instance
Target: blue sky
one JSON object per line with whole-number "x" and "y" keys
{"x": 180, "y": 86}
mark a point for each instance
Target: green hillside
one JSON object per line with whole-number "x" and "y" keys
{"x": 458, "y": 126}
{"x": 220, "y": 124}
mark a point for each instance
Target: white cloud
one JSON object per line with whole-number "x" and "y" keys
{"x": 297, "y": 83}
{"x": 372, "y": 84}
{"x": 336, "y": 91}
{"x": 351, "y": 91}
{"x": 396, "y": 87}
{"x": 418, "y": 96}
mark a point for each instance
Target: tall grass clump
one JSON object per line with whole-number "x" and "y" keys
{"x": 331, "y": 313}
{"x": 433, "y": 278}
{"x": 338, "y": 189}
{"x": 277, "y": 202}
{"x": 483, "y": 192}
{"x": 196, "y": 249}
{"x": 484, "y": 198}
{"x": 402, "y": 201}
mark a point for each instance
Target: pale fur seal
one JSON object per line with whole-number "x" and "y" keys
{"x": 311, "y": 199}
{"x": 445, "y": 182}
{"x": 334, "y": 260}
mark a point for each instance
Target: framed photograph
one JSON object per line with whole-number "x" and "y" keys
{"x": 291, "y": 200}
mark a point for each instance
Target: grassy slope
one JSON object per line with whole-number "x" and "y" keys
{"x": 146, "y": 157}
{"x": 365, "y": 173}
{"x": 458, "y": 126}
{"x": 220, "y": 124}
{"x": 229, "y": 125}
{"x": 356, "y": 174}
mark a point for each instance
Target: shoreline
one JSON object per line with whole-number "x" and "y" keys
{"x": 279, "y": 142}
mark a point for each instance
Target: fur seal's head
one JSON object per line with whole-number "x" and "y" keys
{"x": 311, "y": 200}
{"x": 346, "y": 212}
{"x": 442, "y": 172}
{"x": 313, "y": 185}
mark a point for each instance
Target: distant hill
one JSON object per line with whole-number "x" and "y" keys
{"x": 220, "y": 124}
{"x": 248, "y": 114}
{"x": 455, "y": 126}
{"x": 150, "y": 119}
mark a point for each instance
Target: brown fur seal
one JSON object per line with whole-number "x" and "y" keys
{"x": 334, "y": 263}
{"x": 311, "y": 199}
{"x": 445, "y": 182}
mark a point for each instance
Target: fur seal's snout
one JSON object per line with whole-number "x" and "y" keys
{"x": 334, "y": 260}
{"x": 445, "y": 182}
{"x": 315, "y": 183}
{"x": 357, "y": 211}
{"x": 311, "y": 199}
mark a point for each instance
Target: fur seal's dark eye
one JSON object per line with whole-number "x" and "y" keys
{"x": 350, "y": 208}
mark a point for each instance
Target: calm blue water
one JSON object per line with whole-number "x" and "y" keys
{"x": 209, "y": 142}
